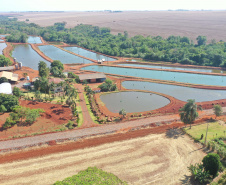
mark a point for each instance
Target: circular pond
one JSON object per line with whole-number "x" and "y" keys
{"x": 133, "y": 101}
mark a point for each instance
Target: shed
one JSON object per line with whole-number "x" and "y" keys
{"x": 10, "y": 76}
{"x": 8, "y": 68}
{"x": 92, "y": 77}
{"x": 5, "y": 88}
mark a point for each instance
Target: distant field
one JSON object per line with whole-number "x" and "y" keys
{"x": 164, "y": 23}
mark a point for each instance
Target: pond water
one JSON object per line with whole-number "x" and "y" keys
{"x": 1, "y": 40}
{"x": 133, "y": 101}
{"x": 65, "y": 57}
{"x": 28, "y": 57}
{"x": 162, "y": 75}
{"x": 2, "y": 46}
{"x": 88, "y": 54}
{"x": 174, "y": 68}
{"x": 34, "y": 40}
{"x": 179, "y": 92}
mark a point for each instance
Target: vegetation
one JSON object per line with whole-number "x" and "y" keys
{"x": 17, "y": 37}
{"x": 72, "y": 75}
{"x": 9, "y": 101}
{"x": 17, "y": 92}
{"x": 221, "y": 181}
{"x": 57, "y": 69}
{"x": 3, "y": 79}
{"x": 43, "y": 69}
{"x": 171, "y": 49}
{"x": 217, "y": 110}
{"x": 108, "y": 85}
{"x": 4, "y": 61}
{"x": 122, "y": 112}
{"x": 189, "y": 113}
{"x": 2, "y": 109}
{"x": 91, "y": 176}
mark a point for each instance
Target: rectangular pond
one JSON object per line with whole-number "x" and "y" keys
{"x": 2, "y": 47}
{"x": 162, "y": 75}
{"x": 34, "y": 40}
{"x": 133, "y": 101}
{"x": 178, "y": 92}
{"x": 28, "y": 57}
{"x": 63, "y": 56}
{"x": 88, "y": 54}
{"x": 174, "y": 68}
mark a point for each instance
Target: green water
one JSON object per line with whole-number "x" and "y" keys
{"x": 88, "y": 54}
{"x": 65, "y": 57}
{"x": 179, "y": 92}
{"x": 162, "y": 75}
{"x": 133, "y": 101}
{"x": 28, "y": 57}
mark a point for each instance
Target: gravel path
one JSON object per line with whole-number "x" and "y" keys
{"x": 22, "y": 142}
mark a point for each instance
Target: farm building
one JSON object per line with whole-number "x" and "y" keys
{"x": 5, "y": 88}
{"x": 93, "y": 77}
{"x": 10, "y": 76}
{"x": 8, "y": 68}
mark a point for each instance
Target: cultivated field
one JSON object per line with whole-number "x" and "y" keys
{"x": 153, "y": 159}
{"x": 164, "y": 23}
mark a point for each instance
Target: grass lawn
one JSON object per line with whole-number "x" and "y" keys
{"x": 89, "y": 109}
{"x": 215, "y": 130}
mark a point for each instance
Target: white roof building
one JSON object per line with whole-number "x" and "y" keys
{"x": 6, "y": 88}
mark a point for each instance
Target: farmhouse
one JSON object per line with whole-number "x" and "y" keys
{"x": 10, "y": 76}
{"x": 92, "y": 77}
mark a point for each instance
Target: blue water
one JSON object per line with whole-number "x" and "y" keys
{"x": 1, "y": 40}
{"x": 2, "y": 47}
{"x": 133, "y": 101}
{"x": 34, "y": 40}
{"x": 162, "y": 75}
{"x": 88, "y": 54}
{"x": 179, "y": 92}
{"x": 28, "y": 57}
{"x": 63, "y": 56}
{"x": 174, "y": 68}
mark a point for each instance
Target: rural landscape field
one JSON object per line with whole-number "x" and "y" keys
{"x": 112, "y": 97}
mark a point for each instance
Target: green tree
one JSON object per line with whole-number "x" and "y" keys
{"x": 4, "y": 61}
{"x": 43, "y": 69}
{"x": 189, "y": 113}
{"x": 201, "y": 40}
{"x": 217, "y": 110}
{"x": 32, "y": 115}
{"x": 2, "y": 109}
{"x": 108, "y": 85}
{"x": 17, "y": 92}
{"x": 8, "y": 101}
{"x": 122, "y": 112}
{"x": 3, "y": 79}
{"x": 211, "y": 163}
{"x": 58, "y": 64}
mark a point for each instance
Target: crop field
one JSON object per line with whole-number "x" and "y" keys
{"x": 153, "y": 159}
{"x": 164, "y": 23}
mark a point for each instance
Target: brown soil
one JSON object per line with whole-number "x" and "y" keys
{"x": 136, "y": 160}
{"x": 54, "y": 116}
{"x": 154, "y": 23}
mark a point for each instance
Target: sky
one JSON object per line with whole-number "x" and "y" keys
{"x": 92, "y": 5}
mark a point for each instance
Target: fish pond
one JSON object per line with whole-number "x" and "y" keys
{"x": 174, "y": 68}
{"x": 88, "y": 54}
{"x": 63, "y": 56}
{"x": 178, "y": 92}
{"x": 162, "y": 75}
{"x": 28, "y": 57}
{"x": 34, "y": 40}
{"x": 2, "y": 47}
{"x": 133, "y": 101}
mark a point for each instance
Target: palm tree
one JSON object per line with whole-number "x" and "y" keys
{"x": 189, "y": 113}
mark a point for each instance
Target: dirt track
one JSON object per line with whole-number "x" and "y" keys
{"x": 138, "y": 161}
{"x": 164, "y": 23}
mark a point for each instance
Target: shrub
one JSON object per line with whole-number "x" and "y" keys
{"x": 70, "y": 125}
{"x": 211, "y": 163}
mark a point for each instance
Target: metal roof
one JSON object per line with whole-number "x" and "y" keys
{"x": 9, "y": 76}
{"x": 8, "y": 68}
{"x": 5, "y": 88}
{"x": 91, "y": 76}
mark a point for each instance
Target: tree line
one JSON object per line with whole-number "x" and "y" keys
{"x": 175, "y": 49}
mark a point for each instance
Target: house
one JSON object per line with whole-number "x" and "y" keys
{"x": 6, "y": 88}
{"x": 92, "y": 77}
{"x": 10, "y": 76}
{"x": 56, "y": 81}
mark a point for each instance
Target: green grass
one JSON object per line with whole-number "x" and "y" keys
{"x": 80, "y": 122}
{"x": 89, "y": 109}
{"x": 215, "y": 130}
{"x": 92, "y": 176}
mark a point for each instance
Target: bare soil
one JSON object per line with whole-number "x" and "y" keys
{"x": 164, "y": 23}
{"x": 153, "y": 159}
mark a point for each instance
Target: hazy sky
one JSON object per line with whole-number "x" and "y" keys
{"x": 81, "y": 5}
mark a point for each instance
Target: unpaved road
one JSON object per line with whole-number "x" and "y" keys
{"x": 153, "y": 159}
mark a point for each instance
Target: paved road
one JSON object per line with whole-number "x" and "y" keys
{"x": 75, "y": 134}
